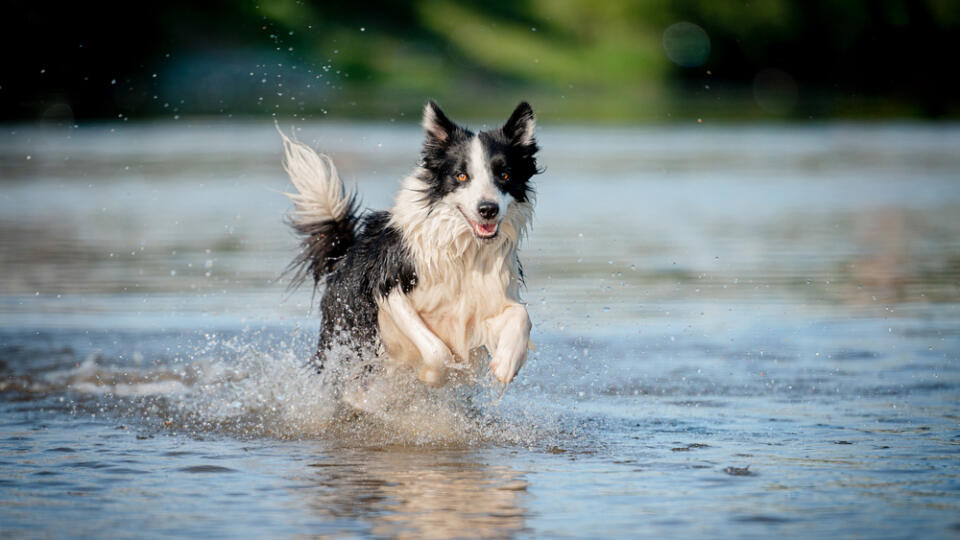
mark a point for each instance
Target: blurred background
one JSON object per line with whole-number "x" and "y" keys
{"x": 577, "y": 60}
{"x": 744, "y": 269}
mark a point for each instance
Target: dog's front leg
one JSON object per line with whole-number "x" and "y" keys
{"x": 434, "y": 353}
{"x": 509, "y": 334}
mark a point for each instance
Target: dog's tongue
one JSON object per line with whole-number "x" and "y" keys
{"x": 486, "y": 229}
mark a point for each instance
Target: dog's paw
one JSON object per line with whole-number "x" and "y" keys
{"x": 503, "y": 373}
{"x": 432, "y": 375}
{"x": 504, "y": 370}
{"x": 433, "y": 369}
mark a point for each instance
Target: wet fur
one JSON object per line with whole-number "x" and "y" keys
{"x": 415, "y": 285}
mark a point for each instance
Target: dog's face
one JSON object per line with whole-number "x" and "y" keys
{"x": 482, "y": 175}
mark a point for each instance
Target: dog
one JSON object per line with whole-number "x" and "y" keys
{"x": 433, "y": 283}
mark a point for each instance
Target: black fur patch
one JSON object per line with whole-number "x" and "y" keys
{"x": 518, "y": 162}
{"x": 445, "y": 150}
{"x": 376, "y": 263}
{"x": 323, "y": 244}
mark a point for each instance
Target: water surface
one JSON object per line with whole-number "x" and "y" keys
{"x": 740, "y": 332}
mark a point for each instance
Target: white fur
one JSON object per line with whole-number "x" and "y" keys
{"x": 320, "y": 193}
{"x": 468, "y": 289}
{"x": 398, "y": 311}
{"x": 481, "y": 185}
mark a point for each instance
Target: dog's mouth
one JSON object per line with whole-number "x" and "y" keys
{"x": 484, "y": 231}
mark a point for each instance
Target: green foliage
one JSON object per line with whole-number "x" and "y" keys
{"x": 577, "y": 59}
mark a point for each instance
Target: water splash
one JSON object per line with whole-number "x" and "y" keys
{"x": 250, "y": 387}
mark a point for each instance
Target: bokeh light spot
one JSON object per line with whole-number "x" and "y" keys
{"x": 686, "y": 44}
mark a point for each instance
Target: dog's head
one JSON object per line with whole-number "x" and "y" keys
{"x": 486, "y": 175}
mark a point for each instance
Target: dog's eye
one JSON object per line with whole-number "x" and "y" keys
{"x": 462, "y": 177}
{"x": 505, "y": 176}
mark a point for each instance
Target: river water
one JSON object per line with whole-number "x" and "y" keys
{"x": 741, "y": 332}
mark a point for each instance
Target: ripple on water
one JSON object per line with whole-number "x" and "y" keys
{"x": 203, "y": 469}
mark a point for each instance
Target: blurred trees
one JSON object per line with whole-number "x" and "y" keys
{"x": 578, "y": 59}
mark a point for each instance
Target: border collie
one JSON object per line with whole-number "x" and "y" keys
{"x": 433, "y": 283}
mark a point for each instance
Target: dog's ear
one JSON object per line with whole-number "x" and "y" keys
{"x": 437, "y": 126}
{"x": 519, "y": 127}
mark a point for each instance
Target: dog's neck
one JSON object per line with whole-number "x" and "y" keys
{"x": 441, "y": 243}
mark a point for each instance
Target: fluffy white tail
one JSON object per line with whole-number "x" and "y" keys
{"x": 320, "y": 193}
{"x": 325, "y": 215}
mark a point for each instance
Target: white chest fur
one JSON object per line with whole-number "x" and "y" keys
{"x": 467, "y": 293}
{"x": 455, "y": 303}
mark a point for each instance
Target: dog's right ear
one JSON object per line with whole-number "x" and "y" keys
{"x": 437, "y": 126}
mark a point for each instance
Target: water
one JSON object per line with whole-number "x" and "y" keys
{"x": 740, "y": 332}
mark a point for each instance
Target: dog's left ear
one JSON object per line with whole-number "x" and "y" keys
{"x": 519, "y": 127}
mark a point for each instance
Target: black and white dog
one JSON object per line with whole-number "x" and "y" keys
{"x": 434, "y": 282}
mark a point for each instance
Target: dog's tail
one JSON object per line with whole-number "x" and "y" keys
{"x": 325, "y": 215}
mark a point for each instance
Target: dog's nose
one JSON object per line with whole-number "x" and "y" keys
{"x": 488, "y": 209}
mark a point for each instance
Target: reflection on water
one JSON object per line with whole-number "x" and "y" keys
{"x": 420, "y": 494}
{"x": 741, "y": 331}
